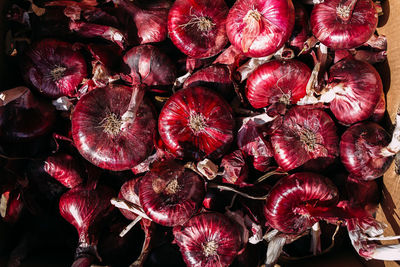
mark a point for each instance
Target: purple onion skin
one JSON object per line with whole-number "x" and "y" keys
{"x": 112, "y": 148}
{"x": 130, "y": 192}
{"x": 26, "y": 118}
{"x": 170, "y": 194}
{"x": 360, "y": 147}
{"x": 208, "y": 230}
{"x": 54, "y": 68}
{"x": 337, "y": 33}
{"x": 64, "y": 168}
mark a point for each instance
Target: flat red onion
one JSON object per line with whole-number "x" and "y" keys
{"x": 208, "y": 239}
{"x": 287, "y": 202}
{"x": 215, "y": 77}
{"x": 150, "y": 66}
{"x": 305, "y": 134}
{"x": 360, "y": 150}
{"x": 196, "y": 122}
{"x": 170, "y": 194}
{"x": 277, "y": 81}
{"x": 64, "y": 168}
{"x": 344, "y": 24}
{"x": 103, "y": 137}
{"x": 354, "y": 90}
{"x": 60, "y": 73}
{"x": 24, "y": 116}
{"x": 260, "y": 27}
{"x": 151, "y": 22}
{"x": 235, "y": 168}
{"x": 197, "y": 27}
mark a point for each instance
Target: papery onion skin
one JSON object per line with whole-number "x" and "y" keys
{"x": 208, "y": 239}
{"x": 54, "y": 68}
{"x": 360, "y": 147}
{"x": 26, "y": 118}
{"x": 97, "y": 133}
{"x": 197, "y": 28}
{"x": 130, "y": 192}
{"x": 305, "y": 134}
{"x": 64, "y": 168}
{"x": 170, "y": 194}
{"x": 277, "y": 81}
{"x": 283, "y": 207}
{"x": 235, "y": 168}
{"x": 84, "y": 208}
{"x": 216, "y": 77}
{"x": 336, "y": 33}
{"x": 196, "y": 122}
{"x": 362, "y": 90}
{"x": 265, "y": 36}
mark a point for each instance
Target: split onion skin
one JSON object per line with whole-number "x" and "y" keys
{"x": 337, "y": 33}
{"x": 54, "y": 68}
{"x": 266, "y": 36}
{"x": 305, "y": 134}
{"x": 170, "y": 194}
{"x": 277, "y": 81}
{"x": 195, "y": 123}
{"x": 363, "y": 90}
{"x": 291, "y": 193}
{"x": 192, "y": 38}
{"x": 205, "y": 229}
{"x": 116, "y": 151}
{"x": 360, "y": 147}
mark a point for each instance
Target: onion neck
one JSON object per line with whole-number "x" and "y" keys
{"x": 130, "y": 114}
{"x": 345, "y": 9}
{"x": 253, "y": 26}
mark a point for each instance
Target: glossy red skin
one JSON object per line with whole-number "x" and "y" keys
{"x": 252, "y": 143}
{"x": 207, "y": 227}
{"x": 192, "y": 41}
{"x": 216, "y": 77}
{"x": 277, "y": 25}
{"x": 167, "y": 208}
{"x": 360, "y": 147}
{"x": 84, "y": 208}
{"x": 26, "y": 118}
{"x": 294, "y": 192}
{"x": 64, "y": 168}
{"x": 178, "y": 136}
{"x": 301, "y": 30}
{"x": 122, "y": 151}
{"x": 380, "y": 109}
{"x": 364, "y": 90}
{"x": 45, "y": 56}
{"x": 267, "y": 84}
{"x": 336, "y": 33}
{"x": 290, "y": 151}
{"x": 235, "y": 168}
{"x": 130, "y": 192}
{"x": 149, "y": 66}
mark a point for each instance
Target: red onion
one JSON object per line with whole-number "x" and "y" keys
{"x": 235, "y": 168}
{"x": 305, "y": 134}
{"x": 130, "y": 192}
{"x": 354, "y": 90}
{"x": 85, "y": 208}
{"x": 60, "y": 73}
{"x": 24, "y": 116}
{"x": 151, "y": 22}
{"x": 380, "y": 109}
{"x": 103, "y": 137}
{"x": 215, "y": 77}
{"x": 170, "y": 194}
{"x": 286, "y": 208}
{"x": 150, "y": 66}
{"x": 196, "y": 122}
{"x": 260, "y": 27}
{"x": 197, "y": 27}
{"x": 360, "y": 150}
{"x": 64, "y": 168}
{"x": 277, "y": 81}
{"x": 208, "y": 239}
{"x": 344, "y": 24}
{"x": 255, "y": 145}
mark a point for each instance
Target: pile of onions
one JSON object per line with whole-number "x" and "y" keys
{"x": 259, "y": 28}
